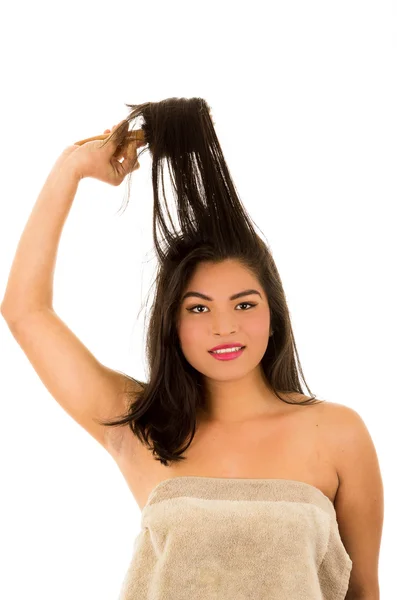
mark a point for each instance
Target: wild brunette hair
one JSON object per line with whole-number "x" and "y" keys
{"x": 214, "y": 227}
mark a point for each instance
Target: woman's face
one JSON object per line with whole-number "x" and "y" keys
{"x": 205, "y": 323}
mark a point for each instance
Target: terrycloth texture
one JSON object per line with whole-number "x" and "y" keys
{"x": 206, "y": 538}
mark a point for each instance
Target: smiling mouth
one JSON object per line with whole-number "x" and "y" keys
{"x": 226, "y": 351}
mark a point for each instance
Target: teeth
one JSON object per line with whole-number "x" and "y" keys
{"x": 226, "y": 350}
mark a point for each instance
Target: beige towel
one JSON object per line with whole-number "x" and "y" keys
{"x": 206, "y": 538}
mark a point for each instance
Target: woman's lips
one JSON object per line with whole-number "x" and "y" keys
{"x": 228, "y": 355}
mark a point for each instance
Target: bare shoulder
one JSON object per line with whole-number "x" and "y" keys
{"x": 336, "y": 418}
{"x": 339, "y": 414}
{"x": 346, "y": 426}
{"x": 345, "y": 430}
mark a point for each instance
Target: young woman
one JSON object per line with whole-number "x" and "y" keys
{"x": 248, "y": 487}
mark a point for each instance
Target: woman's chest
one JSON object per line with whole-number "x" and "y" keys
{"x": 294, "y": 446}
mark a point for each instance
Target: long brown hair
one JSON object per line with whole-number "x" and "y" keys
{"x": 213, "y": 227}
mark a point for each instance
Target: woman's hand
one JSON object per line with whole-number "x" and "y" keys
{"x": 91, "y": 160}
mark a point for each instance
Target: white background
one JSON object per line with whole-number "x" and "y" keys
{"x": 303, "y": 96}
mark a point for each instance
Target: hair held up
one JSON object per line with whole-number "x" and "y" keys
{"x": 207, "y": 223}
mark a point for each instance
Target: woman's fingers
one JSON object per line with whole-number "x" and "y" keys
{"x": 108, "y": 130}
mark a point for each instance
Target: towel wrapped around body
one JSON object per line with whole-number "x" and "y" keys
{"x": 207, "y": 538}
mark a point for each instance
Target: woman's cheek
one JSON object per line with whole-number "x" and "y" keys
{"x": 259, "y": 329}
{"x": 189, "y": 335}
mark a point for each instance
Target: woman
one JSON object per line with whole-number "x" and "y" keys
{"x": 248, "y": 488}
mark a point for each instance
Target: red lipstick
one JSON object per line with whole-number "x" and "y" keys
{"x": 227, "y": 355}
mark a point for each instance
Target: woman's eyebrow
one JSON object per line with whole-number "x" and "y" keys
{"x": 233, "y": 297}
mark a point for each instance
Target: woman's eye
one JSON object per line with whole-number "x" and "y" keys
{"x": 250, "y": 304}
